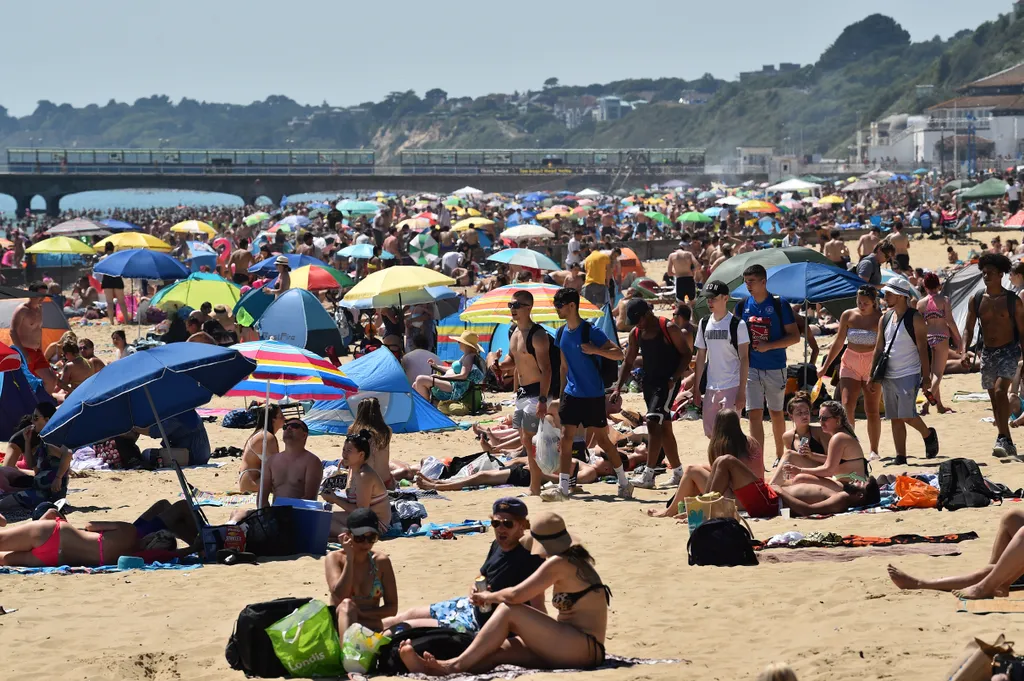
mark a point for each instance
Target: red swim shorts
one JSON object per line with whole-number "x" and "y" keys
{"x": 758, "y": 500}
{"x": 36, "y": 360}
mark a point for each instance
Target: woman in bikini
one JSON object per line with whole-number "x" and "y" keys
{"x": 520, "y": 635}
{"x": 364, "y": 488}
{"x": 50, "y": 466}
{"x": 370, "y": 418}
{"x": 858, "y": 329}
{"x": 806, "y": 444}
{"x": 361, "y": 580}
{"x": 938, "y": 319}
{"x": 252, "y": 454}
{"x": 844, "y": 461}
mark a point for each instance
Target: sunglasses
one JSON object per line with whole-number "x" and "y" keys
{"x": 500, "y": 522}
{"x": 365, "y": 538}
{"x": 296, "y": 425}
{"x": 825, "y": 417}
{"x": 515, "y": 305}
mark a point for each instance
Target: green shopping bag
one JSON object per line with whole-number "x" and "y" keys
{"x": 306, "y": 642}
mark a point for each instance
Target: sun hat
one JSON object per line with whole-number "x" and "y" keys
{"x": 469, "y": 339}
{"x": 363, "y": 521}
{"x": 551, "y": 537}
{"x": 282, "y": 260}
{"x": 898, "y": 288}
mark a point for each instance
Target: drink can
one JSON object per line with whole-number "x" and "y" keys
{"x": 481, "y": 585}
{"x": 682, "y": 508}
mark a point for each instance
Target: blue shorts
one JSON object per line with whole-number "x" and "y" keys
{"x": 457, "y": 614}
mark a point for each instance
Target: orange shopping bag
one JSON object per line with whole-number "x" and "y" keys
{"x": 914, "y": 493}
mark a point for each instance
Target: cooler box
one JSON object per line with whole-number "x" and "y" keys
{"x": 311, "y": 524}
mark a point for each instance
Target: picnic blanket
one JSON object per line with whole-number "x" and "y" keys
{"x": 101, "y": 570}
{"x": 508, "y": 671}
{"x": 795, "y": 540}
{"x": 843, "y": 554}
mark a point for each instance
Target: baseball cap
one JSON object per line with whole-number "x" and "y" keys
{"x": 636, "y": 309}
{"x": 897, "y": 287}
{"x": 363, "y": 521}
{"x": 510, "y": 505}
{"x": 716, "y": 288}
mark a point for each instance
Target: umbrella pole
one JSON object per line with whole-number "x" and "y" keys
{"x": 807, "y": 331}
{"x": 263, "y": 458}
{"x": 159, "y": 423}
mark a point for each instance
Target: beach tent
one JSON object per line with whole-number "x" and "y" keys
{"x": 993, "y": 188}
{"x": 54, "y": 322}
{"x": 961, "y": 287}
{"x": 297, "y": 318}
{"x": 251, "y": 306}
{"x": 20, "y": 392}
{"x": 379, "y": 375}
{"x": 794, "y": 185}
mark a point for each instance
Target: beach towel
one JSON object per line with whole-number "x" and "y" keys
{"x": 101, "y": 570}
{"x": 221, "y": 499}
{"x": 970, "y": 397}
{"x": 843, "y": 554}
{"x": 856, "y": 540}
{"x": 508, "y": 671}
{"x": 990, "y": 606}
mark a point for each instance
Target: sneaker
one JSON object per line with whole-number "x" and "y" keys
{"x": 1011, "y": 449}
{"x": 677, "y": 476}
{"x": 931, "y": 444}
{"x": 1001, "y": 447}
{"x": 873, "y": 456}
{"x": 643, "y": 479}
{"x": 626, "y": 491}
{"x": 554, "y": 494}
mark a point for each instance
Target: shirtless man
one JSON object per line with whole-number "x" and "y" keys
{"x": 529, "y": 347}
{"x": 240, "y": 261}
{"x": 83, "y": 294}
{"x": 866, "y": 244}
{"x": 570, "y": 278}
{"x": 294, "y": 472}
{"x": 88, "y": 352}
{"x": 901, "y": 242}
{"x": 836, "y": 250}
{"x": 393, "y": 244}
{"x": 27, "y": 336}
{"x": 682, "y": 265}
{"x": 76, "y": 367}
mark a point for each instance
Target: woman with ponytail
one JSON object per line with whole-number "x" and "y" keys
{"x": 364, "y": 489}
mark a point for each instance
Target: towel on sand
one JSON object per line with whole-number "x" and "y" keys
{"x": 843, "y": 554}
{"x": 509, "y": 671}
{"x": 101, "y": 570}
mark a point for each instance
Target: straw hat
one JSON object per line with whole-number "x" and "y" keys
{"x": 549, "y": 534}
{"x": 469, "y": 339}
{"x": 222, "y": 315}
{"x": 282, "y": 260}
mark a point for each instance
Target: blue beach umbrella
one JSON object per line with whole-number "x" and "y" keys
{"x": 809, "y": 282}
{"x": 119, "y": 226}
{"x": 363, "y": 251}
{"x": 143, "y": 389}
{"x": 525, "y": 257}
{"x": 266, "y": 267}
{"x": 714, "y": 211}
{"x": 141, "y": 263}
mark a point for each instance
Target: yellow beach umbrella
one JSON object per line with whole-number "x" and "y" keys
{"x": 471, "y": 223}
{"x": 194, "y": 227}
{"x": 757, "y": 207}
{"x": 129, "y": 240}
{"x": 61, "y": 244}
{"x": 832, "y": 199}
{"x": 391, "y": 282}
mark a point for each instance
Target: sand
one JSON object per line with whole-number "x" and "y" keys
{"x": 828, "y": 620}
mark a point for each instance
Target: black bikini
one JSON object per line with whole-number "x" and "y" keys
{"x": 565, "y": 601}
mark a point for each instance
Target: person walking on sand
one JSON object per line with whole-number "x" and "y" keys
{"x": 682, "y": 266}
{"x": 722, "y": 347}
{"x": 1001, "y": 315}
{"x": 903, "y": 347}
{"x": 666, "y": 355}
{"x": 582, "y": 345}
{"x": 938, "y": 318}
{"x": 529, "y": 347}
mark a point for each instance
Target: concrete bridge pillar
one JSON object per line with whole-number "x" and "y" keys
{"x": 53, "y": 204}
{"x": 23, "y": 204}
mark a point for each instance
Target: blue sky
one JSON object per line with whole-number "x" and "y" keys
{"x": 348, "y": 52}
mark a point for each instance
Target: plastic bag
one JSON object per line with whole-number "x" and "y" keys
{"x": 546, "y": 442}
{"x": 306, "y": 642}
{"x": 360, "y": 647}
{"x": 480, "y": 463}
{"x": 914, "y": 493}
{"x": 431, "y": 468}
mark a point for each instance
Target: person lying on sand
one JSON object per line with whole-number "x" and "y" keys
{"x": 518, "y": 634}
{"x": 361, "y": 579}
{"x": 1005, "y": 566}
{"x": 509, "y": 562}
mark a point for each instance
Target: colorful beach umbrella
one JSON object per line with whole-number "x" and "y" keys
{"x": 757, "y": 207}
{"x": 255, "y": 218}
{"x": 194, "y": 227}
{"x": 524, "y": 257}
{"x": 417, "y": 224}
{"x": 62, "y": 245}
{"x": 492, "y": 307}
{"x": 320, "y": 278}
{"x": 471, "y": 223}
{"x": 392, "y": 282}
{"x": 133, "y": 240}
{"x": 422, "y": 247}
{"x": 198, "y": 288}
{"x": 10, "y": 359}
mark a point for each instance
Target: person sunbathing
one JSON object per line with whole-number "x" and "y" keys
{"x": 364, "y": 488}
{"x": 1005, "y": 566}
{"x": 521, "y": 635}
{"x": 253, "y": 452}
{"x": 361, "y": 580}
{"x": 844, "y": 460}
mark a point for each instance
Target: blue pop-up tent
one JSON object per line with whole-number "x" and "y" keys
{"x": 379, "y": 375}
{"x": 297, "y": 318}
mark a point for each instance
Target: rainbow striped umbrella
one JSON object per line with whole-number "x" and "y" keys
{"x": 492, "y": 307}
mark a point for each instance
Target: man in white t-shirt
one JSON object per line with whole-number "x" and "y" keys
{"x": 572, "y": 251}
{"x": 451, "y": 261}
{"x": 723, "y": 341}
{"x": 1013, "y": 197}
{"x": 417, "y": 362}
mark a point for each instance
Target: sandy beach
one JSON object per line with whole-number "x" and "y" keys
{"x": 829, "y": 620}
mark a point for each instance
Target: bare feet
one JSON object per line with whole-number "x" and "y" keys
{"x": 977, "y": 592}
{"x": 945, "y": 410}
{"x": 427, "y": 664}
{"x": 902, "y": 579}
{"x": 663, "y": 513}
{"x": 424, "y": 482}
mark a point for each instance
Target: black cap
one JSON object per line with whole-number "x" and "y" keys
{"x": 510, "y": 505}
{"x": 716, "y": 288}
{"x": 636, "y": 309}
{"x": 363, "y": 521}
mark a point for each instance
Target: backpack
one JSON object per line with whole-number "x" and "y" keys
{"x": 249, "y": 648}
{"x": 442, "y": 643}
{"x": 554, "y": 358}
{"x": 239, "y": 418}
{"x": 1011, "y": 305}
{"x": 961, "y": 485}
{"x": 723, "y": 542}
{"x": 908, "y": 322}
{"x": 607, "y": 368}
{"x": 734, "y": 326}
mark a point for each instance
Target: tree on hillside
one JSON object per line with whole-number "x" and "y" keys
{"x": 435, "y": 96}
{"x": 550, "y": 83}
{"x": 876, "y": 32}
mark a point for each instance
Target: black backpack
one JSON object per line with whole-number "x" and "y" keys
{"x": 442, "y": 643}
{"x": 554, "y": 357}
{"x": 249, "y": 649}
{"x": 608, "y": 368}
{"x": 961, "y": 485}
{"x": 723, "y": 542}
{"x": 734, "y": 326}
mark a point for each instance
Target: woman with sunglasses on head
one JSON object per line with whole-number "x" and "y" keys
{"x": 364, "y": 488}
{"x": 858, "y": 329}
{"x": 844, "y": 461}
{"x": 361, "y": 580}
{"x": 518, "y": 634}
{"x": 509, "y": 562}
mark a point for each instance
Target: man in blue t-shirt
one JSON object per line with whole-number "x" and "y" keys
{"x": 583, "y": 391}
{"x": 772, "y": 328}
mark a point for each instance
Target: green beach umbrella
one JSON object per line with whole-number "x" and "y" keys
{"x": 421, "y": 246}
{"x": 694, "y": 216}
{"x": 658, "y": 217}
{"x": 256, "y": 218}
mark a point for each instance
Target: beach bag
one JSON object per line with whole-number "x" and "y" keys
{"x": 359, "y": 647}
{"x": 961, "y": 485}
{"x": 444, "y": 644}
{"x": 239, "y": 418}
{"x": 546, "y": 442}
{"x": 269, "y": 532}
{"x": 306, "y": 642}
{"x": 914, "y": 493}
{"x": 975, "y": 663}
{"x": 706, "y": 507}
{"x": 722, "y": 542}
{"x": 249, "y": 648}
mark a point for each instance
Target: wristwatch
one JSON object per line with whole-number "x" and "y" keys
{"x": 542, "y": 399}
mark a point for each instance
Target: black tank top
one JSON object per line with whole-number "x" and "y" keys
{"x": 661, "y": 359}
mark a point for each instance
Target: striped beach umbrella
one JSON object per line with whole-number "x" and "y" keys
{"x": 492, "y": 307}
{"x": 421, "y": 247}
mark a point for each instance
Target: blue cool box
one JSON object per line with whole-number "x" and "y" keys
{"x": 311, "y": 521}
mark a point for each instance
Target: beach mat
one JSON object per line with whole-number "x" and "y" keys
{"x": 508, "y": 671}
{"x": 844, "y": 554}
{"x": 990, "y": 606}
{"x": 101, "y": 570}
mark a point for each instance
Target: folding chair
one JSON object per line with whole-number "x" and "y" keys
{"x": 213, "y": 537}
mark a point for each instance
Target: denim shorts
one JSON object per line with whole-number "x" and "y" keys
{"x": 457, "y": 614}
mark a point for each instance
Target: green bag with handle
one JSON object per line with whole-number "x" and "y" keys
{"x": 306, "y": 642}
